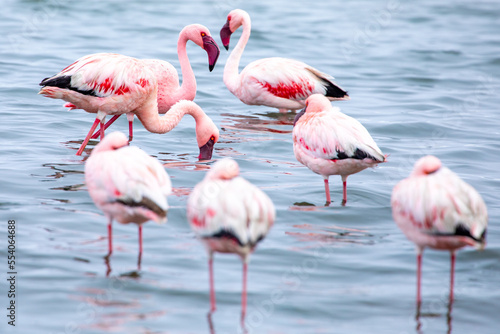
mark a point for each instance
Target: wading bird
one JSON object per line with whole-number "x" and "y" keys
{"x": 229, "y": 215}
{"x": 113, "y": 84}
{"x": 329, "y": 142}
{"x": 435, "y": 208}
{"x": 127, "y": 184}
{"x": 274, "y": 82}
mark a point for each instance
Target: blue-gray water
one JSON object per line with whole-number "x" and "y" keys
{"x": 423, "y": 78}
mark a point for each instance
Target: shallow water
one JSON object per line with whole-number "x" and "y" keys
{"x": 423, "y": 78}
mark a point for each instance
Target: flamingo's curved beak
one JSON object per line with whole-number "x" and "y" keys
{"x": 207, "y": 150}
{"x": 212, "y": 50}
{"x": 225, "y": 35}
{"x": 299, "y": 115}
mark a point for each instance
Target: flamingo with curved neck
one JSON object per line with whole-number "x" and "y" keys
{"x": 275, "y": 82}
{"x": 207, "y": 133}
{"x": 169, "y": 90}
{"x": 112, "y": 84}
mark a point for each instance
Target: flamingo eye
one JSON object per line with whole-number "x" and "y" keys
{"x": 203, "y": 34}
{"x": 212, "y": 138}
{"x": 229, "y": 18}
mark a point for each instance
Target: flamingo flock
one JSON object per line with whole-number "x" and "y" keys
{"x": 433, "y": 207}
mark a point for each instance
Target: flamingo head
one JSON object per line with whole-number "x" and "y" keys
{"x": 200, "y": 35}
{"x": 207, "y": 134}
{"x": 426, "y": 165}
{"x": 234, "y": 20}
{"x": 224, "y": 169}
{"x": 111, "y": 142}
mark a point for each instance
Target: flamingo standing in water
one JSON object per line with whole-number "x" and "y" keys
{"x": 275, "y": 82}
{"x": 329, "y": 142}
{"x": 127, "y": 184}
{"x": 229, "y": 215}
{"x": 435, "y": 208}
{"x": 112, "y": 84}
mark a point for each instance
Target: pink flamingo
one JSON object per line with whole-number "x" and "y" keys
{"x": 435, "y": 208}
{"x": 146, "y": 108}
{"x": 169, "y": 90}
{"x": 229, "y": 215}
{"x": 127, "y": 184}
{"x": 112, "y": 84}
{"x": 329, "y": 142}
{"x": 275, "y": 82}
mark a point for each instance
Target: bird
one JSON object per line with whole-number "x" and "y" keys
{"x": 274, "y": 82}
{"x": 329, "y": 142}
{"x": 169, "y": 90}
{"x": 435, "y": 208}
{"x": 127, "y": 184}
{"x": 113, "y": 84}
{"x": 229, "y": 215}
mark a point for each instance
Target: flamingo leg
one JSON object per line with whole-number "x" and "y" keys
{"x": 130, "y": 118}
{"x": 211, "y": 281}
{"x": 108, "y": 123}
{"x": 327, "y": 191}
{"x": 344, "y": 190}
{"x": 452, "y": 275}
{"x": 244, "y": 291}
{"x": 419, "y": 278}
{"x": 139, "y": 259}
{"x": 110, "y": 236}
{"x": 140, "y": 239}
{"x": 99, "y": 119}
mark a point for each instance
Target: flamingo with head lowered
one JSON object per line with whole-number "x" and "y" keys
{"x": 275, "y": 82}
{"x": 435, "y": 208}
{"x": 329, "y": 142}
{"x": 229, "y": 215}
{"x": 127, "y": 184}
{"x": 112, "y": 84}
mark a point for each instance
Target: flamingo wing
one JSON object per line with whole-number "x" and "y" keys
{"x": 333, "y": 135}
{"x": 233, "y": 209}
{"x": 129, "y": 176}
{"x": 288, "y": 79}
{"x": 103, "y": 75}
{"x": 441, "y": 204}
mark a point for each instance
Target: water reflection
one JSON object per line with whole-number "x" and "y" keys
{"x": 331, "y": 234}
{"x": 420, "y": 317}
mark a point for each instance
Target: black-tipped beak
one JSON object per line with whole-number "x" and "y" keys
{"x": 212, "y": 50}
{"x": 299, "y": 115}
{"x": 207, "y": 150}
{"x": 225, "y": 35}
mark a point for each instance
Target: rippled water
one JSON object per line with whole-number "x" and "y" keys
{"x": 423, "y": 78}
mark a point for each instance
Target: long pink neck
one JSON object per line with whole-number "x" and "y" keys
{"x": 187, "y": 91}
{"x": 163, "y": 124}
{"x": 231, "y": 70}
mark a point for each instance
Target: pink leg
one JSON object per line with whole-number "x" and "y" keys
{"x": 108, "y": 123}
{"x": 419, "y": 277}
{"x": 102, "y": 130}
{"x": 140, "y": 239}
{"x": 211, "y": 281}
{"x": 80, "y": 150}
{"x": 244, "y": 292}
{"x": 327, "y": 191}
{"x": 110, "y": 236}
{"x": 452, "y": 275}
{"x": 344, "y": 184}
{"x": 130, "y": 118}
